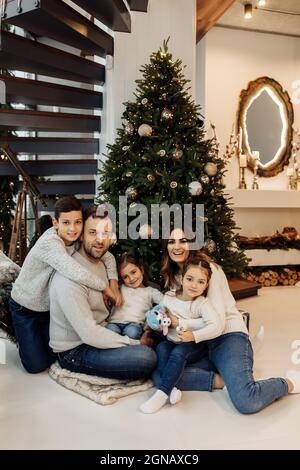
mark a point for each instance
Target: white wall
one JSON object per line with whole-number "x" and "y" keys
{"x": 233, "y": 58}
{"x": 174, "y": 18}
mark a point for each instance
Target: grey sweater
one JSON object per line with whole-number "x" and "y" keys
{"x": 78, "y": 314}
{"x": 48, "y": 255}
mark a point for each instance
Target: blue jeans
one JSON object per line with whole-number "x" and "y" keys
{"x": 129, "y": 362}
{"x": 133, "y": 330}
{"x": 232, "y": 356}
{"x": 171, "y": 361}
{"x": 32, "y": 335}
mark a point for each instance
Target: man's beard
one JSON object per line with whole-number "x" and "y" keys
{"x": 89, "y": 252}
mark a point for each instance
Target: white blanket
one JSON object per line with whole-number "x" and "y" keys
{"x": 99, "y": 389}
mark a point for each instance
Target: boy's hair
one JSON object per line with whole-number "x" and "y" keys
{"x": 127, "y": 258}
{"x": 95, "y": 212}
{"x": 198, "y": 262}
{"x": 66, "y": 204}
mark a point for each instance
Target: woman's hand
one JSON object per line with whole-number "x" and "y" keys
{"x": 114, "y": 286}
{"x": 174, "y": 320}
{"x": 186, "y": 336}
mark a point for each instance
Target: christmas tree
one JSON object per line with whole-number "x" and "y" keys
{"x": 161, "y": 156}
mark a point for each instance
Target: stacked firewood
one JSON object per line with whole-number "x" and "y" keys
{"x": 275, "y": 276}
{"x": 289, "y": 238}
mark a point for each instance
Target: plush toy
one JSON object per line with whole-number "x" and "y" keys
{"x": 157, "y": 318}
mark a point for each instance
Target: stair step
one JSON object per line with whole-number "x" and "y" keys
{"x": 51, "y": 167}
{"x": 60, "y": 188}
{"x": 138, "y": 5}
{"x": 56, "y": 20}
{"x": 13, "y": 119}
{"x": 52, "y": 145}
{"x": 34, "y": 92}
{"x": 113, "y": 13}
{"x": 19, "y": 53}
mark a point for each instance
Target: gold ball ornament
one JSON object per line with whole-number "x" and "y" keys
{"x": 150, "y": 178}
{"x": 166, "y": 114}
{"x": 131, "y": 192}
{"x": 204, "y": 179}
{"x": 161, "y": 153}
{"x": 210, "y": 246}
{"x": 211, "y": 169}
{"x": 173, "y": 184}
{"x": 177, "y": 154}
{"x": 145, "y": 130}
{"x": 128, "y": 174}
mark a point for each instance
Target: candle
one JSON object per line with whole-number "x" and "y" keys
{"x": 255, "y": 155}
{"x": 290, "y": 172}
{"x": 243, "y": 160}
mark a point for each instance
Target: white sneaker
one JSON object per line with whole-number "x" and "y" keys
{"x": 294, "y": 377}
{"x": 258, "y": 340}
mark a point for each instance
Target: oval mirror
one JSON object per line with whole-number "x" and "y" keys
{"x": 266, "y": 117}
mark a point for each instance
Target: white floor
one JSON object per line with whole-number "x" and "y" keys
{"x": 36, "y": 413}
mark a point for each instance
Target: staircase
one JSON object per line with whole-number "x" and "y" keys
{"x": 67, "y": 164}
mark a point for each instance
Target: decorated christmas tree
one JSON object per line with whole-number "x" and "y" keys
{"x": 161, "y": 156}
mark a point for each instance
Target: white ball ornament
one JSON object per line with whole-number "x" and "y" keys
{"x": 195, "y": 188}
{"x": 211, "y": 169}
{"x": 145, "y": 130}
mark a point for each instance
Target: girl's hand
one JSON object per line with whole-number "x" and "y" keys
{"x": 174, "y": 320}
{"x": 186, "y": 336}
{"x": 108, "y": 296}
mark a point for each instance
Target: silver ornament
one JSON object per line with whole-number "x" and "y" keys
{"x": 144, "y": 101}
{"x": 211, "y": 169}
{"x": 210, "y": 246}
{"x": 204, "y": 179}
{"x": 125, "y": 148}
{"x": 161, "y": 153}
{"x": 195, "y": 188}
{"x": 173, "y": 184}
{"x": 131, "y": 192}
{"x": 145, "y": 130}
{"x": 150, "y": 178}
{"x": 128, "y": 174}
{"x": 129, "y": 129}
{"x": 166, "y": 114}
{"x": 177, "y": 154}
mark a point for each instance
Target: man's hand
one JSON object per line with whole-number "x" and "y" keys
{"x": 146, "y": 339}
{"x": 174, "y": 320}
{"x": 108, "y": 296}
{"x": 114, "y": 286}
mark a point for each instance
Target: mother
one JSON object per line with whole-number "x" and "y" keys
{"x": 231, "y": 353}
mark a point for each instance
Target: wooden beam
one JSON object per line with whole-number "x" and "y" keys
{"x": 52, "y": 145}
{"x": 138, "y": 5}
{"x": 56, "y": 20}
{"x": 19, "y": 53}
{"x": 208, "y": 13}
{"x": 48, "y": 188}
{"x": 15, "y": 119}
{"x": 34, "y": 92}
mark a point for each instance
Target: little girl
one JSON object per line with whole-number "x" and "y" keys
{"x": 193, "y": 320}
{"x": 129, "y": 319}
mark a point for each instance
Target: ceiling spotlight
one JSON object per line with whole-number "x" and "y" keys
{"x": 261, "y": 3}
{"x": 248, "y": 11}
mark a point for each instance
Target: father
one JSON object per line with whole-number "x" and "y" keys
{"x": 78, "y": 317}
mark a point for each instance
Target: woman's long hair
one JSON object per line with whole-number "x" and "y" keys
{"x": 170, "y": 269}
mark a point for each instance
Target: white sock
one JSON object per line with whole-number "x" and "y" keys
{"x": 155, "y": 403}
{"x": 175, "y": 395}
{"x": 294, "y": 377}
{"x": 258, "y": 340}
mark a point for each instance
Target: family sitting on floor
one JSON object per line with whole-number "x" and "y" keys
{"x": 207, "y": 346}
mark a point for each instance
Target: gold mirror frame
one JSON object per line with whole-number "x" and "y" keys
{"x": 247, "y": 96}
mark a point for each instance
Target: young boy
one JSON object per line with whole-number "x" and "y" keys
{"x": 29, "y": 302}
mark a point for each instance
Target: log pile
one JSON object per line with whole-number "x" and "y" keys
{"x": 289, "y": 238}
{"x": 275, "y": 276}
